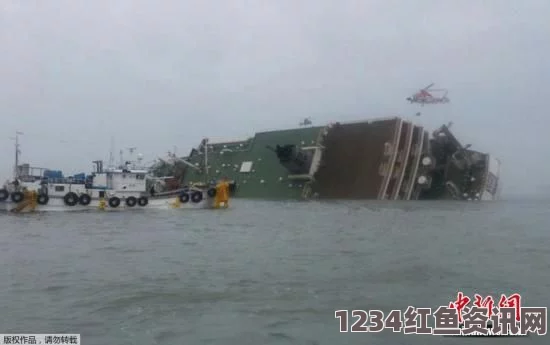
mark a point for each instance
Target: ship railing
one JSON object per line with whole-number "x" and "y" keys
{"x": 29, "y": 178}
{"x": 302, "y": 177}
{"x": 65, "y": 180}
{"x": 176, "y": 191}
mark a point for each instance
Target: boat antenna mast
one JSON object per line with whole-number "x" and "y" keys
{"x": 131, "y": 161}
{"x": 206, "y": 159}
{"x": 17, "y": 153}
{"x": 121, "y": 163}
{"x": 111, "y": 156}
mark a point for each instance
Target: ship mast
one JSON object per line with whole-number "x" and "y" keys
{"x": 111, "y": 156}
{"x": 206, "y": 159}
{"x": 17, "y": 152}
{"x": 131, "y": 159}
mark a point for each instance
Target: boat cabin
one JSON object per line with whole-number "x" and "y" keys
{"x": 120, "y": 181}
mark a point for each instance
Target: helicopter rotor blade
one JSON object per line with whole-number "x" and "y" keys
{"x": 427, "y": 87}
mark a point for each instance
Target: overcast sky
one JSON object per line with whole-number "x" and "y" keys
{"x": 159, "y": 74}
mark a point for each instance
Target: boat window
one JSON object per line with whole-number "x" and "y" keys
{"x": 59, "y": 188}
{"x": 246, "y": 166}
{"x": 387, "y": 149}
{"x": 140, "y": 176}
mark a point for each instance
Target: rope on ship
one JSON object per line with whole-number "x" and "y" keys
{"x": 306, "y": 192}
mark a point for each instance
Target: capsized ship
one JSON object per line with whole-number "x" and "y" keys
{"x": 385, "y": 159}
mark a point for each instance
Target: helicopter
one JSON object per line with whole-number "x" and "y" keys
{"x": 306, "y": 122}
{"x": 424, "y": 97}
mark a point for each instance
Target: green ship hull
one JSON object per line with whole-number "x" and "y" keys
{"x": 384, "y": 159}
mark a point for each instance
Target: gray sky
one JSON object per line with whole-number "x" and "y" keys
{"x": 159, "y": 74}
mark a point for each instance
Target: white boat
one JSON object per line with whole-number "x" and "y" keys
{"x": 110, "y": 189}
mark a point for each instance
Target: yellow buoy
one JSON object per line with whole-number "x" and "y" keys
{"x": 176, "y": 203}
{"x": 222, "y": 194}
{"x": 102, "y": 203}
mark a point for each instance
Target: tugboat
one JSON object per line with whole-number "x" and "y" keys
{"x": 110, "y": 189}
